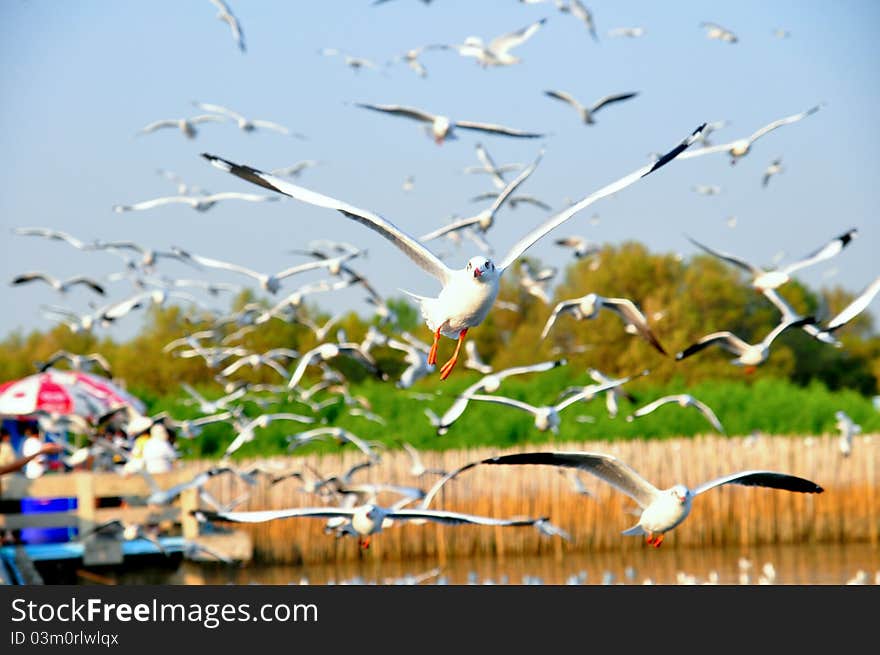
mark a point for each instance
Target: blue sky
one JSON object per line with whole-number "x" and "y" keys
{"x": 82, "y": 77}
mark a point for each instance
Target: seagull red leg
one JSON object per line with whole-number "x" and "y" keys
{"x": 658, "y": 540}
{"x": 448, "y": 366}
{"x": 432, "y": 356}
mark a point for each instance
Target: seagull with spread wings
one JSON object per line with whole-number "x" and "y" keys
{"x": 247, "y": 124}
{"x": 715, "y": 31}
{"x": 683, "y": 400}
{"x": 61, "y": 286}
{"x": 662, "y": 509}
{"x": 489, "y": 166}
{"x": 468, "y": 293}
{"x": 199, "y": 203}
{"x": 187, "y": 126}
{"x": 774, "y": 278}
{"x": 486, "y": 218}
{"x": 54, "y": 235}
{"x": 442, "y": 128}
{"x": 585, "y": 112}
{"x": 497, "y": 51}
{"x": 747, "y": 354}
{"x": 741, "y": 147}
{"x": 587, "y": 307}
{"x": 225, "y": 14}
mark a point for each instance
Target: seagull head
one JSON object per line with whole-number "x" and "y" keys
{"x": 481, "y": 268}
{"x": 681, "y": 493}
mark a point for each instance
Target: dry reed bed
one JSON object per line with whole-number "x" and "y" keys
{"x": 729, "y": 515}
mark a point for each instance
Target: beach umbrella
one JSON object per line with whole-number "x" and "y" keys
{"x": 64, "y": 393}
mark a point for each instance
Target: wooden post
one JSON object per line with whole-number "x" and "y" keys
{"x": 85, "y": 501}
{"x": 189, "y": 524}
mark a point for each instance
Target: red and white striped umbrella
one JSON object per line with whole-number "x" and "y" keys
{"x": 64, "y": 393}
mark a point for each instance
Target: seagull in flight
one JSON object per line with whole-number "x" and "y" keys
{"x": 54, "y": 235}
{"x": 247, "y": 124}
{"x": 468, "y": 293}
{"x": 225, "y": 14}
{"x": 486, "y": 218}
{"x": 683, "y": 400}
{"x": 61, "y": 286}
{"x": 630, "y": 32}
{"x": 774, "y": 278}
{"x": 366, "y": 520}
{"x": 185, "y": 125}
{"x": 586, "y": 113}
{"x": 715, "y": 31}
{"x": 774, "y": 168}
{"x": 77, "y": 362}
{"x": 199, "y": 203}
{"x": 490, "y": 384}
{"x": 578, "y": 10}
{"x": 295, "y": 170}
{"x": 497, "y": 51}
{"x": 580, "y": 246}
{"x": 748, "y": 355}
{"x": 587, "y": 307}
{"x": 270, "y": 283}
{"x": 489, "y": 166}
{"x": 442, "y": 128}
{"x": 741, "y": 147}
{"x": 662, "y": 509}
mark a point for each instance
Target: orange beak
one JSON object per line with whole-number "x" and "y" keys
{"x": 438, "y": 140}
{"x": 477, "y": 272}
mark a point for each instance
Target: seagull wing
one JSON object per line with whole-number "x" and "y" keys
{"x": 273, "y": 515}
{"x": 856, "y": 307}
{"x": 87, "y": 281}
{"x": 563, "y": 306}
{"x": 708, "y": 150}
{"x": 510, "y": 188}
{"x": 533, "y": 237}
{"x": 486, "y": 159}
{"x": 456, "y": 518}
{"x": 827, "y": 251}
{"x": 24, "y": 278}
{"x": 783, "y": 121}
{"x": 218, "y": 109}
{"x": 707, "y": 412}
{"x": 607, "y": 100}
{"x": 216, "y": 263}
{"x": 606, "y": 467}
{"x": 503, "y": 400}
{"x": 157, "y": 125}
{"x": 727, "y": 340}
{"x": 631, "y": 315}
{"x": 409, "y": 245}
{"x": 492, "y": 128}
{"x": 732, "y": 259}
{"x": 399, "y": 110}
{"x": 650, "y": 407}
{"x": 769, "y": 479}
{"x": 156, "y": 202}
{"x": 501, "y": 44}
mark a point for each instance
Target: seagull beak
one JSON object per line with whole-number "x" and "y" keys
{"x": 477, "y": 272}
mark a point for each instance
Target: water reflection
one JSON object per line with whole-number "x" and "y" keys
{"x": 786, "y": 565}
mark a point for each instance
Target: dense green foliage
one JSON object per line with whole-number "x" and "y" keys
{"x": 796, "y": 391}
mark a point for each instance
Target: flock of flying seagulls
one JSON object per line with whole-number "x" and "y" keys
{"x": 465, "y": 298}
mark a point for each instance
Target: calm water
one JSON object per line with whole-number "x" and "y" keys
{"x": 798, "y": 565}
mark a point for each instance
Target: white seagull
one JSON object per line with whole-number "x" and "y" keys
{"x": 54, "y": 235}
{"x": 683, "y": 400}
{"x": 247, "y": 124}
{"x": 77, "y": 362}
{"x": 489, "y": 383}
{"x": 848, "y": 428}
{"x": 225, "y": 14}
{"x": 246, "y": 430}
{"x": 741, "y": 147}
{"x": 341, "y": 437}
{"x": 715, "y": 31}
{"x": 489, "y": 166}
{"x": 630, "y": 32}
{"x": 772, "y": 279}
{"x": 547, "y": 416}
{"x": 486, "y": 218}
{"x": 774, "y": 168}
{"x": 578, "y": 10}
{"x": 748, "y": 355}
{"x": 587, "y": 307}
{"x": 366, "y": 520}
{"x": 580, "y": 246}
{"x": 442, "y": 128}
{"x": 199, "y": 203}
{"x": 497, "y": 51}
{"x": 856, "y": 307}
{"x": 585, "y": 112}
{"x": 270, "y": 282}
{"x": 662, "y": 509}
{"x": 789, "y": 314}
{"x": 295, "y": 170}
{"x": 61, "y": 286}
{"x": 416, "y": 359}
{"x": 185, "y": 125}
{"x": 468, "y": 293}
{"x": 329, "y": 350}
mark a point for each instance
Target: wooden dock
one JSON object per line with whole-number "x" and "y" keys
{"x": 179, "y": 529}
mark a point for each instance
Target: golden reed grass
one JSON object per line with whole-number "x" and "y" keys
{"x": 848, "y": 510}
